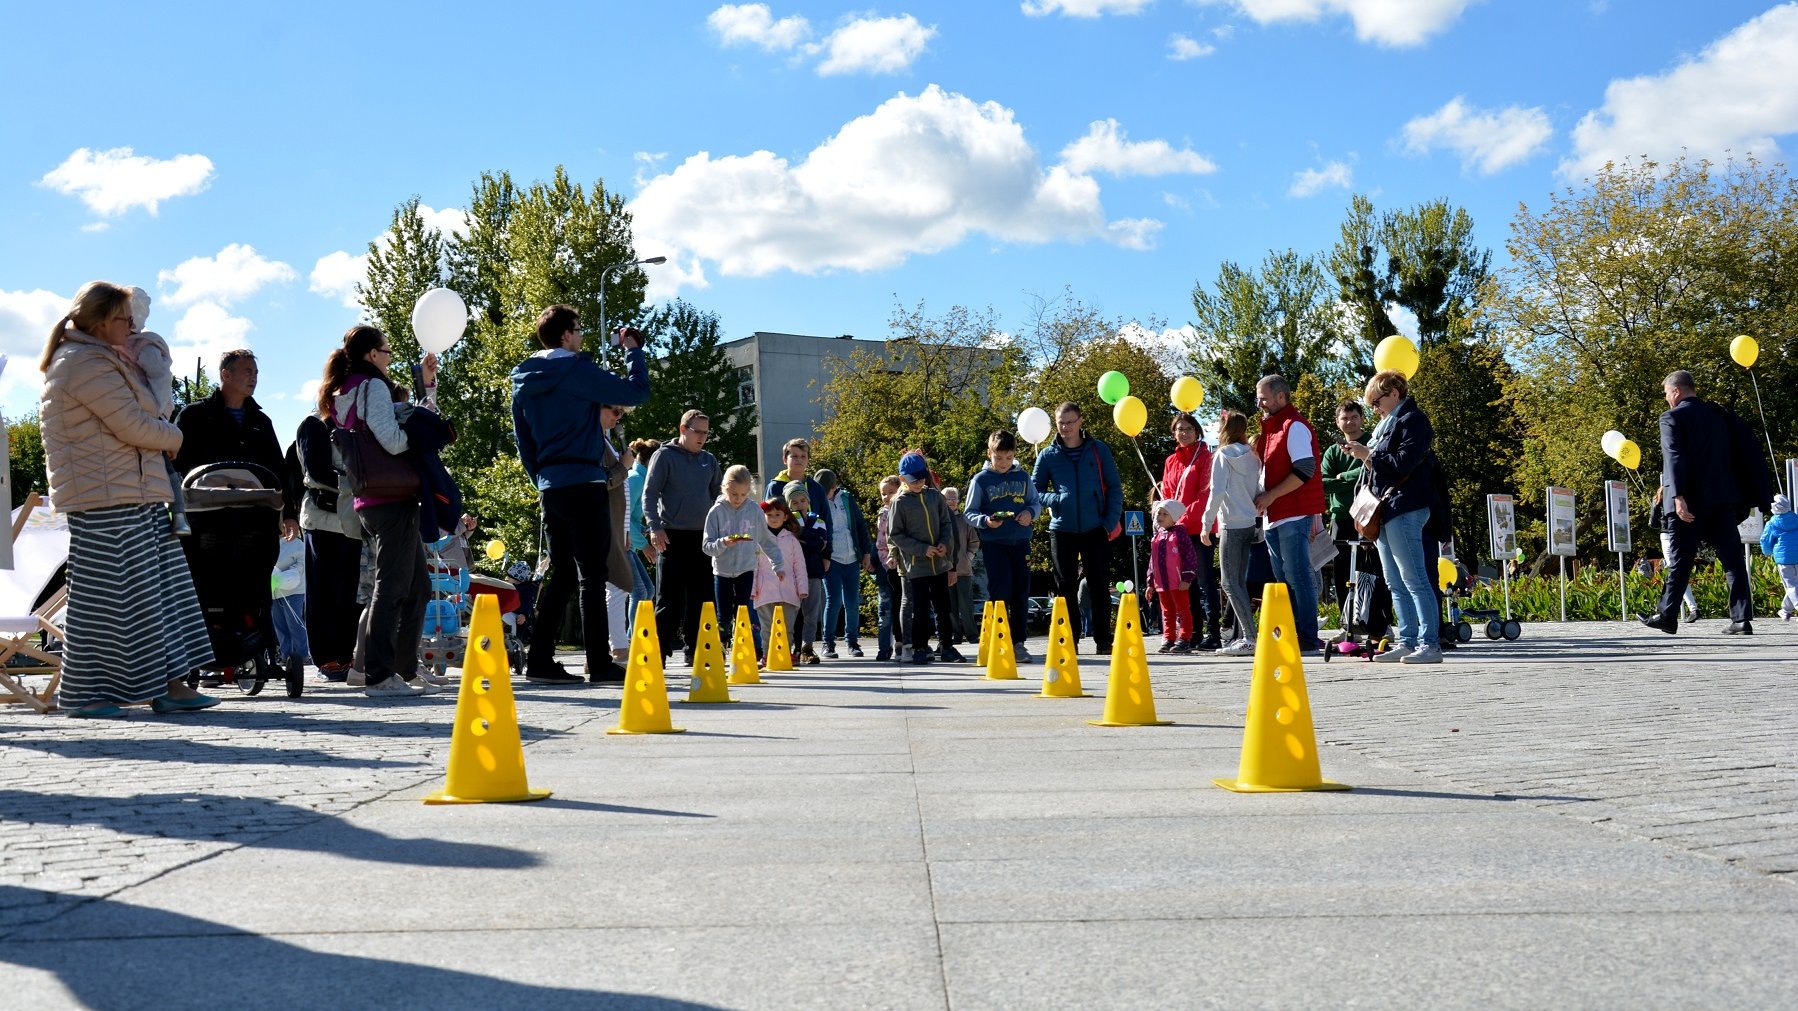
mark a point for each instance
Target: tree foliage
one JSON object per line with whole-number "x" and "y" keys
{"x": 25, "y": 452}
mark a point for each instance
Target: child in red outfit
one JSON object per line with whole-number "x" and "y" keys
{"x": 1173, "y": 565}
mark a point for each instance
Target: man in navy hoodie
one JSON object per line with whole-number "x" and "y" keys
{"x": 556, "y": 398}
{"x": 1076, "y": 479}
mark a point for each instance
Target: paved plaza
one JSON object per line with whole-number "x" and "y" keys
{"x": 1593, "y": 816}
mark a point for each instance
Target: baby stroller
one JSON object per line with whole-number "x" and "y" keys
{"x": 444, "y": 641}
{"x": 1366, "y": 614}
{"x": 234, "y": 508}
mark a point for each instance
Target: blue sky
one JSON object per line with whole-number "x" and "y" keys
{"x": 805, "y": 164}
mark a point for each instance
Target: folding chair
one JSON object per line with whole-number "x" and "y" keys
{"x": 40, "y": 550}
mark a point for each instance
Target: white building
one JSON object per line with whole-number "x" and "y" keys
{"x": 784, "y": 375}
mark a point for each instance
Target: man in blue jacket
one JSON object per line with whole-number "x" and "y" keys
{"x": 1077, "y": 481}
{"x": 557, "y": 394}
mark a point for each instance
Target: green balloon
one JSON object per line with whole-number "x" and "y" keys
{"x": 1113, "y": 387}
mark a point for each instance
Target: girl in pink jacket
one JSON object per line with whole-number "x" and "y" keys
{"x": 784, "y": 589}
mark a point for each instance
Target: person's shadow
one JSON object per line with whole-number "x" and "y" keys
{"x": 164, "y": 968}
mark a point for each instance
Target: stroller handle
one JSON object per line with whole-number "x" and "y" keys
{"x": 262, "y": 474}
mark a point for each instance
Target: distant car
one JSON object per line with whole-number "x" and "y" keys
{"x": 1040, "y": 608}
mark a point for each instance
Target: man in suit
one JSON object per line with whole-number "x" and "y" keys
{"x": 1697, "y": 470}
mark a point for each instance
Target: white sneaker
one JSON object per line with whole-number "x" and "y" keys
{"x": 1427, "y": 653}
{"x": 1397, "y": 654}
{"x": 424, "y": 687}
{"x": 431, "y": 677}
{"x": 355, "y": 679}
{"x": 1241, "y": 647}
{"x": 393, "y": 688}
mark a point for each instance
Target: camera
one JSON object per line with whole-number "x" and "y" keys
{"x": 620, "y": 334}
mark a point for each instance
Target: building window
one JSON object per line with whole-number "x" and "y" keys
{"x": 745, "y": 386}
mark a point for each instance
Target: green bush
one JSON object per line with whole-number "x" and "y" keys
{"x": 1592, "y": 593}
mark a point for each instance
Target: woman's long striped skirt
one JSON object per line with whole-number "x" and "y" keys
{"x": 134, "y": 621}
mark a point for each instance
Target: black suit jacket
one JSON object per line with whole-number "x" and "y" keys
{"x": 1695, "y": 456}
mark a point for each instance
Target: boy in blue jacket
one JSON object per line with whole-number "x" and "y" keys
{"x": 557, "y": 394}
{"x": 1002, "y": 505}
{"x": 1779, "y": 540}
{"x": 1077, "y": 481}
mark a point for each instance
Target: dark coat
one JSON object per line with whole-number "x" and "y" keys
{"x": 439, "y": 498}
{"x": 1695, "y": 457}
{"x": 1403, "y": 452}
{"x": 209, "y": 434}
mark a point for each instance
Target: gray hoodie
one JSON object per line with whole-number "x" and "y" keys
{"x": 1235, "y": 481}
{"x": 679, "y": 488}
{"x": 733, "y": 558}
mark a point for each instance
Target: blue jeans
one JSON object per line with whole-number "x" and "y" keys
{"x": 1410, "y": 576}
{"x": 730, "y": 593}
{"x": 843, "y": 602}
{"x": 289, "y": 615}
{"x": 885, "y": 580}
{"x": 642, "y": 589}
{"x": 1289, "y": 548}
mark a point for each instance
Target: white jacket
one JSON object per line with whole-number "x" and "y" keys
{"x": 1235, "y": 481}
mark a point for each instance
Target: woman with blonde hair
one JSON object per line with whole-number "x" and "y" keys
{"x": 135, "y": 630}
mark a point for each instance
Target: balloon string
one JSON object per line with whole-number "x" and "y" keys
{"x": 1778, "y": 478}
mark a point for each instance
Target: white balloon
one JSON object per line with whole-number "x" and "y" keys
{"x": 438, "y": 319}
{"x": 1611, "y": 442}
{"x": 1033, "y": 425}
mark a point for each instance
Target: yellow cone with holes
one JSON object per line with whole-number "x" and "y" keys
{"x": 742, "y": 650}
{"x": 1061, "y": 670}
{"x": 1279, "y": 745}
{"x": 986, "y": 634}
{"x": 1129, "y": 701}
{"x": 708, "y": 661}
{"x": 645, "y": 706}
{"x": 486, "y": 761}
{"x": 780, "y": 647}
{"x": 1001, "y": 658}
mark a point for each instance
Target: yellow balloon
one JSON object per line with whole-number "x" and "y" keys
{"x": 1130, "y": 415}
{"x": 496, "y": 549}
{"x": 1398, "y": 354}
{"x": 1745, "y": 350}
{"x": 1629, "y": 454}
{"x": 1446, "y": 574}
{"x": 1187, "y": 394}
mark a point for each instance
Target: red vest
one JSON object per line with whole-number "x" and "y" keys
{"x": 1305, "y": 500}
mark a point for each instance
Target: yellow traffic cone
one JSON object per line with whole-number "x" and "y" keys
{"x": 1129, "y": 701}
{"x": 742, "y": 651}
{"x": 986, "y": 633}
{"x": 708, "y": 660}
{"x": 1279, "y": 745}
{"x": 1061, "y": 670}
{"x": 486, "y": 761}
{"x": 645, "y": 706}
{"x": 1001, "y": 659}
{"x": 780, "y": 653}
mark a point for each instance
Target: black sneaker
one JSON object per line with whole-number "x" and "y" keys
{"x": 1211, "y": 644}
{"x": 882, "y": 656}
{"x": 1166, "y": 647}
{"x": 830, "y": 651}
{"x": 921, "y": 656}
{"x": 554, "y": 674}
{"x": 613, "y": 673}
{"x": 854, "y": 650}
{"x": 1182, "y": 646}
{"x": 950, "y": 654}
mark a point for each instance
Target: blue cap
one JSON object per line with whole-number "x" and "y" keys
{"x": 912, "y": 467}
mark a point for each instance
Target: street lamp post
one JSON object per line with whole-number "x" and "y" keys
{"x": 605, "y": 334}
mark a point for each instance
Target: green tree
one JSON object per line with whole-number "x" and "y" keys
{"x": 689, "y": 369}
{"x": 1644, "y": 269}
{"x": 406, "y": 263}
{"x": 1283, "y": 318}
{"x": 25, "y": 452}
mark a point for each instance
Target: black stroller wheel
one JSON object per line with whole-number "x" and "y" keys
{"x": 296, "y": 677}
{"x": 1463, "y": 631}
{"x": 1512, "y": 630}
{"x": 1494, "y": 628}
{"x": 251, "y": 678}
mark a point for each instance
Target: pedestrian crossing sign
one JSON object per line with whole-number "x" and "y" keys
{"x": 1133, "y": 523}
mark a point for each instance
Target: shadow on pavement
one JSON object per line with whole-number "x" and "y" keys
{"x": 198, "y": 752}
{"x": 161, "y": 971}
{"x": 1509, "y": 798}
{"x": 589, "y": 805}
{"x": 250, "y": 821}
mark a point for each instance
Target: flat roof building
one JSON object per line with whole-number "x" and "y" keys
{"x": 784, "y": 375}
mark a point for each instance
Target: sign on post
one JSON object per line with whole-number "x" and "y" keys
{"x": 1560, "y": 523}
{"x": 1133, "y": 524}
{"x": 1501, "y": 524}
{"x": 1616, "y": 511}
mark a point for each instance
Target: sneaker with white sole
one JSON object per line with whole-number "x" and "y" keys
{"x": 1241, "y": 647}
{"x": 1397, "y": 654}
{"x": 431, "y": 677}
{"x": 355, "y": 679}
{"x": 424, "y": 687}
{"x": 1429, "y": 652}
{"x": 392, "y": 687}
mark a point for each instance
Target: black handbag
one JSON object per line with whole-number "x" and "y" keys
{"x": 372, "y": 471}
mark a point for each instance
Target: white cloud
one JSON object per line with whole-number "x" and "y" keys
{"x": 1388, "y": 22}
{"x": 308, "y": 393}
{"x": 206, "y": 331}
{"x": 1403, "y": 318}
{"x": 754, "y": 24}
{"x": 1183, "y": 47}
{"x": 114, "y": 181}
{"x": 1167, "y": 345}
{"x": 25, "y": 321}
{"x": 1736, "y": 96}
{"x": 875, "y": 46}
{"x": 238, "y": 271}
{"x": 336, "y": 275}
{"x": 1489, "y": 141}
{"x": 916, "y": 175}
{"x": 1083, "y": 8}
{"x": 1105, "y": 149}
{"x": 1312, "y": 181}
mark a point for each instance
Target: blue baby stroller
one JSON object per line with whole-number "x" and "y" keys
{"x": 444, "y": 640}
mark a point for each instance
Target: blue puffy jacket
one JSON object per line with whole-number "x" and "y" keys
{"x": 556, "y": 398}
{"x": 1087, "y": 494}
{"x": 1779, "y": 538}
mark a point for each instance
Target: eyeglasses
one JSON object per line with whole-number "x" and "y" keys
{"x": 386, "y": 351}
{"x": 701, "y": 432}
